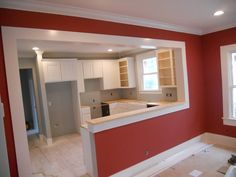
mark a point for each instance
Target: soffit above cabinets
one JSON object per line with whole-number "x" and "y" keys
{"x": 190, "y": 16}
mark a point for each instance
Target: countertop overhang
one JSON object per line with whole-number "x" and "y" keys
{"x": 125, "y": 118}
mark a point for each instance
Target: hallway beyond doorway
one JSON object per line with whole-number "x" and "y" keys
{"x": 63, "y": 158}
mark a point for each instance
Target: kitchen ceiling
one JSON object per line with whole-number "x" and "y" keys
{"x": 192, "y": 16}
{"x": 55, "y": 49}
{"x": 80, "y": 47}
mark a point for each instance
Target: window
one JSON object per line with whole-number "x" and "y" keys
{"x": 148, "y": 72}
{"x": 233, "y": 84}
{"x": 150, "y": 77}
{"x": 228, "y": 71}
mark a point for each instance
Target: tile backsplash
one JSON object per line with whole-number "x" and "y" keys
{"x": 96, "y": 97}
{"x": 168, "y": 94}
{"x": 107, "y": 95}
{"x": 130, "y": 93}
{"x": 93, "y": 95}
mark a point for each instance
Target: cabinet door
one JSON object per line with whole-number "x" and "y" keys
{"x": 110, "y": 74}
{"x": 88, "y": 69}
{"x": 52, "y": 71}
{"x": 97, "y": 69}
{"x": 69, "y": 70}
{"x": 80, "y": 77}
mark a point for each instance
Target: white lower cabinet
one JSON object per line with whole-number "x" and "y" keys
{"x": 110, "y": 74}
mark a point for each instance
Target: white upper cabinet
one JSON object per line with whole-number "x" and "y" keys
{"x": 52, "y": 71}
{"x": 59, "y": 70}
{"x": 68, "y": 70}
{"x": 127, "y": 72}
{"x": 88, "y": 69}
{"x": 92, "y": 69}
{"x": 97, "y": 69}
{"x": 80, "y": 77}
{"x": 110, "y": 74}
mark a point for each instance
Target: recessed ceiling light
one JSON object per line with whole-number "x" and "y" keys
{"x": 218, "y": 13}
{"x": 109, "y": 50}
{"x": 147, "y": 47}
{"x": 35, "y": 48}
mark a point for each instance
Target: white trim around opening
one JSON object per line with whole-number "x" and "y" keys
{"x": 10, "y": 35}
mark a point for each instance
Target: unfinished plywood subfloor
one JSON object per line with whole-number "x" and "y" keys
{"x": 62, "y": 159}
{"x": 207, "y": 161}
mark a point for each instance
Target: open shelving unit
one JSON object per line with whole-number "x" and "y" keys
{"x": 124, "y": 79}
{"x": 126, "y": 71}
{"x": 166, "y": 63}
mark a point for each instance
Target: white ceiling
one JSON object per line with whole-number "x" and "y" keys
{"x": 79, "y": 47}
{"x": 192, "y": 16}
{"x": 84, "y": 50}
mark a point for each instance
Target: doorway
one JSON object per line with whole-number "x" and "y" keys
{"x": 29, "y": 101}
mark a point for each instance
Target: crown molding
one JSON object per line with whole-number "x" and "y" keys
{"x": 219, "y": 28}
{"x": 46, "y": 7}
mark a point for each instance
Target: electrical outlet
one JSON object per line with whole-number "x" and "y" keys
{"x": 146, "y": 153}
{"x": 168, "y": 94}
{"x": 49, "y": 103}
{"x": 56, "y": 125}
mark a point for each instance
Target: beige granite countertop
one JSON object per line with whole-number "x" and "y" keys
{"x": 124, "y": 101}
{"x": 136, "y": 101}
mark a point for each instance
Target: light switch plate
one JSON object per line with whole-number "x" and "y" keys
{"x": 195, "y": 173}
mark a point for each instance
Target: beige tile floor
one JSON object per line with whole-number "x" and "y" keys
{"x": 208, "y": 162}
{"x": 64, "y": 158}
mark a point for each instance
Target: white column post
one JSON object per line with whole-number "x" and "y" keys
{"x": 43, "y": 96}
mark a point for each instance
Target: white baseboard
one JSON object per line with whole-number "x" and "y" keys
{"x": 41, "y": 138}
{"x": 217, "y": 139}
{"x": 166, "y": 159}
{"x": 47, "y": 140}
{"x": 32, "y": 132}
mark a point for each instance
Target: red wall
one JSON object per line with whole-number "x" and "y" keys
{"x": 122, "y": 147}
{"x": 211, "y": 52}
{"x": 125, "y": 146}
